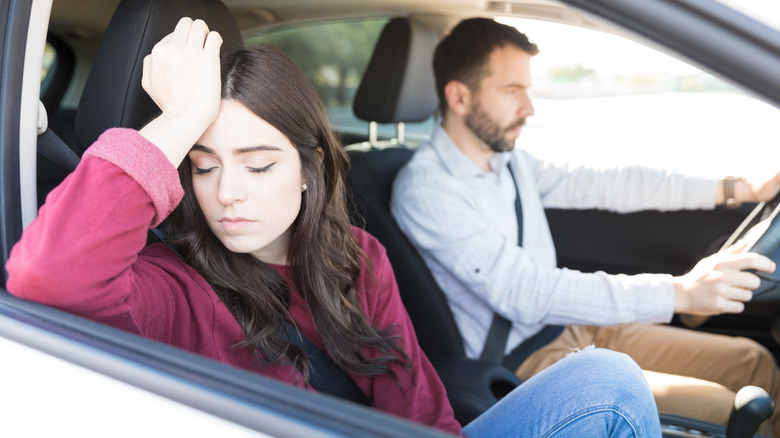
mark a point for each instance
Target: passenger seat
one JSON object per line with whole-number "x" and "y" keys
{"x": 398, "y": 87}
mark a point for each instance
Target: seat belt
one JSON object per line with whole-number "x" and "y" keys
{"x": 497, "y": 336}
{"x": 328, "y": 377}
{"x": 51, "y": 147}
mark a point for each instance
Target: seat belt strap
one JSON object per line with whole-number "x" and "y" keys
{"x": 495, "y": 343}
{"x": 52, "y": 147}
{"x": 327, "y": 376}
{"x": 543, "y": 337}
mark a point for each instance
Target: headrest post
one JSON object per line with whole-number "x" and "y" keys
{"x": 373, "y": 135}
{"x": 400, "y": 133}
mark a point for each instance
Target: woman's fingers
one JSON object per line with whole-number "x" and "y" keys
{"x": 197, "y": 34}
{"x": 182, "y": 76}
{"x": 181, "y": 32}
{"x": 213, "y": 43}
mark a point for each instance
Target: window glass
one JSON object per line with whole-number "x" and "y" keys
{"x": 333, "y": 56}
{"x": 49, "y": 59}
{"x": 603, "y": 100}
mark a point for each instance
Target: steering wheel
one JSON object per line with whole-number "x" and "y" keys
{"x": 761, "y": 233}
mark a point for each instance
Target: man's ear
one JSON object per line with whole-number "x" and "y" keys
{"x": 458, "y": 97}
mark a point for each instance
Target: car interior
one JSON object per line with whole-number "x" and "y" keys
{"x": 397, "y": 88}
{"x": 395, "y": 98}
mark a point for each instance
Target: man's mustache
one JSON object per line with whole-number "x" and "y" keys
{"x": 516, "y": 124}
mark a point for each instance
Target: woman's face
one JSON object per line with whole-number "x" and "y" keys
{"x": 248, "y": 182}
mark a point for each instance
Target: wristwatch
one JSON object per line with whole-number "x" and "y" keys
{"x": 728, "y": 192}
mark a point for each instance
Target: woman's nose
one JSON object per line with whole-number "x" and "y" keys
{"x": 231, "y": 188}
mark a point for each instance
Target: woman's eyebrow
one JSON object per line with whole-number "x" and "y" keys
{"x": 237, "y": 151}
{"x": 255, "y": 149}
{"x": 198, "y": 147}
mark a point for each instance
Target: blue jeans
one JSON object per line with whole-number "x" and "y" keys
{"x": 591, "y": 393}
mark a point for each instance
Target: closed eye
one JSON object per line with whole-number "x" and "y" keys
{"x": 261, "y": 169}
{"x": 199, "y": 171}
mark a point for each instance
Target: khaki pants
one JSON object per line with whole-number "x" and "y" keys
{"x": 691, "y": 373}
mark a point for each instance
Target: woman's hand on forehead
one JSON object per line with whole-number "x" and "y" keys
{"x": 182, "y": 76}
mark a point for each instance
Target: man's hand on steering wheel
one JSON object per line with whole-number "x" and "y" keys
{"x": 720, "y": 283}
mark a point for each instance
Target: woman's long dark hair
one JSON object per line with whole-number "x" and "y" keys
{"x": 323, "y": 254}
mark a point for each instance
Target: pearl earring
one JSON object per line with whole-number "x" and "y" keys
{"x": 304, "y": 187}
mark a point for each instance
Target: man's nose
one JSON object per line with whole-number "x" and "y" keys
{"x": 526, "y": 107}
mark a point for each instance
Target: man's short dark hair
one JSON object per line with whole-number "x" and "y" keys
{"x": 463, "y": 54}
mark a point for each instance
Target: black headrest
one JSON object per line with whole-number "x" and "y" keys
{"x": 398, "y": 85}
{"x": 113, "y": 96}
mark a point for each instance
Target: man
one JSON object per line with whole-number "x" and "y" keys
{"x": 456, "y": 201}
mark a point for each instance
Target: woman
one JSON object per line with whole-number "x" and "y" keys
{"x": 264, "y": 238}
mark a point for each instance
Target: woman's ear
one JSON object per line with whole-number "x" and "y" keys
{"x": 321, "y": 157}
{"x": 458, "y": 97}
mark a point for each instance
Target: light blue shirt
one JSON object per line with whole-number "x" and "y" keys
{"x": 462, "y": 221}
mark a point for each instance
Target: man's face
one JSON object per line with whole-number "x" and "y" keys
{"x": 501, "y": 104}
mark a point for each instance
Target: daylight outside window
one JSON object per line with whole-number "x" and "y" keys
{"x": 600, "y": 99}
{"x": 603, "y": 100}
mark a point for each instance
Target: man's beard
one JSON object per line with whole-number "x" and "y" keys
{"x": 489, "y": 131}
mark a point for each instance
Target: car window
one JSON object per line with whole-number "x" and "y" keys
{"x": 334, "y": 55}
{"x": 49, "y": 58}
{"x": 603, "y": 100}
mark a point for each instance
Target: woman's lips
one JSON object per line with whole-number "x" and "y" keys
{"x": 235, "y": 224}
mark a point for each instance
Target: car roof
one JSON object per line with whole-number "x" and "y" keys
{"x": 86, "y": 19}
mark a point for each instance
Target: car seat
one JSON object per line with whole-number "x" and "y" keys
{"x": 398, "y": 87}
{"x": 113, "y": 96}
